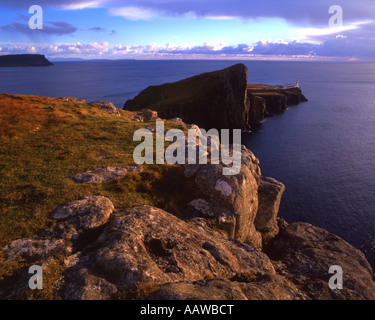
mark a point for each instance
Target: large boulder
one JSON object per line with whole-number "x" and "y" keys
{"x": 266, "y": 287}
{"x": 304, "y": 254}
{"x": 269, "y": 196}
{"x": 145, "y": 247}
{"x": 245, "y": 205}
{"x": 71, "y": 222}
{"x": 211, "y": 100}
{"x": 231, "y": 200}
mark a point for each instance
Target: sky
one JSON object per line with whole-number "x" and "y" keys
{"x": 342, "y": 30}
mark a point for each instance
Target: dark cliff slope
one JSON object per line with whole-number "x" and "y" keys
{"x": 24, "y": 60}
{"x": 211, "y": 100}
{"x": 220, "y": 99}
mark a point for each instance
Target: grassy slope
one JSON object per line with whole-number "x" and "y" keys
{"x": 44, "y": 141}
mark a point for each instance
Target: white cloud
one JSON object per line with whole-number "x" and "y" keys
{"x": 82, "y": 5}
{"x": 318, "y": 34}
{"x": 133, "y": 13}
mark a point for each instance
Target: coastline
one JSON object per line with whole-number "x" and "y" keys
{"x": 232, "y": 242}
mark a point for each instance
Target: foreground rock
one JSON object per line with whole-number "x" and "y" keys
{"x": 304, "y": 253}
{"x": 105, "y": 174}
{"x": 106, "y": 106}
{"x": 145, "y": 252}
{"x": 145, "y": 247}
{"x": 270, "y": 192}
{"x": 72, "y": 220}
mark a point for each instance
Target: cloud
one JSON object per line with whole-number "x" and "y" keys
{"x": 100, "y": 29}
{"x": 133, "y": 13}
{"x": 337, "y": 48}
{"x": 81, "y": 5}
{"x": 97, "y": 29}
{"x": 49, "y": 28}
{"x": 295, "y": 11}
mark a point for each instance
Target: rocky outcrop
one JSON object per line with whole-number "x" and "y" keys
{"x": 106, "y": 106}
{"x": 24, "y": 60}
{"x": 105, "y": 174}
{"x": 266, "y": 287}
{"x": 147, "y": 252}
{"x": 266, "y": 100}
{"x": 220, "y": 99}
{"x": 304, "y": 253}
{"x": 211, "y": 100}
{"x": 270, "y": 192}
{"x": 228, "y": 245}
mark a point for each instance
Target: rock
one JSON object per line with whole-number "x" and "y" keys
{"x": 91, "y": 287}
{"x": 73, "y": 220}
{"x": 267, "y": 287}
{"x": 232, "y": 200}
{"x": 72, "y": 99}
{"x": 100, "y": 175}
{"x": 269, "y": 196}
{"x": 36, "y": 249}
{"x": 144, "y": 247}
{"x": 179, "y": 121}
{"x": 216, "y": 289}
{"x": 211, "y": 100}
{"x": 149, "y": 115}
{"x": 105, "y": 106}
{"x": 304, "y": 253}
{"x": 89, "y": 212}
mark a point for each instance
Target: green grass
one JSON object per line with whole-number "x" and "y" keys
{"x": 44, "y": 141}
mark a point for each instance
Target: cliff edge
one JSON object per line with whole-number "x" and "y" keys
{"x": 221, "y": 99}
{"x": 103, "y": 228}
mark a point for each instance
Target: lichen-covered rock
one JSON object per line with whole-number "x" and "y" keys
{"x": 90, "y": 287}
{"x": 106, "y": 106}
{"x": 87, "y": 213}
{"x": 234, "y": 197}
{"x": 34, "y": 249}
{"x": 269, "y": 196}
{"x": 215, "y": 289}
{"x": 72, "y": 221}
{"x": 146, "y": 246}
{"x": 231, "y": 200}
{"x": 266, "y": 287}
{"x": 149, "y": 115}
{"x": 100, "y": 175}
{"x": 304, "y": 254}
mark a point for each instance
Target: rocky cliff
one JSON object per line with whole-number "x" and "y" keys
{"x": 89, "y": 219}
{"x": 220, "y": 99}
{"x": 24, "y": 60}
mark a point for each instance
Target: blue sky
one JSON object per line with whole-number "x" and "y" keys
{"x": 180, "y": 29}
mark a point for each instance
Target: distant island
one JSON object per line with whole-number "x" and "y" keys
{"x": 24, "y": 60}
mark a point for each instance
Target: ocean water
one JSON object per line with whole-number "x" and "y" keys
{"x": 322, "y": 150}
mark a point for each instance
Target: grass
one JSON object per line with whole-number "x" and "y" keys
{"x": 44, "y": 141}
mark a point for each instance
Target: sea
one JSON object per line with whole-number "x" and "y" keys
{"x": 323, "y": 150}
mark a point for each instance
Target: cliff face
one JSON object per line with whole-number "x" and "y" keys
{"x": 220, "y": 99}
{"x": 211, "y": 100}
{"x": 24, "y": 60}
{"x": 224, "y": 241}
